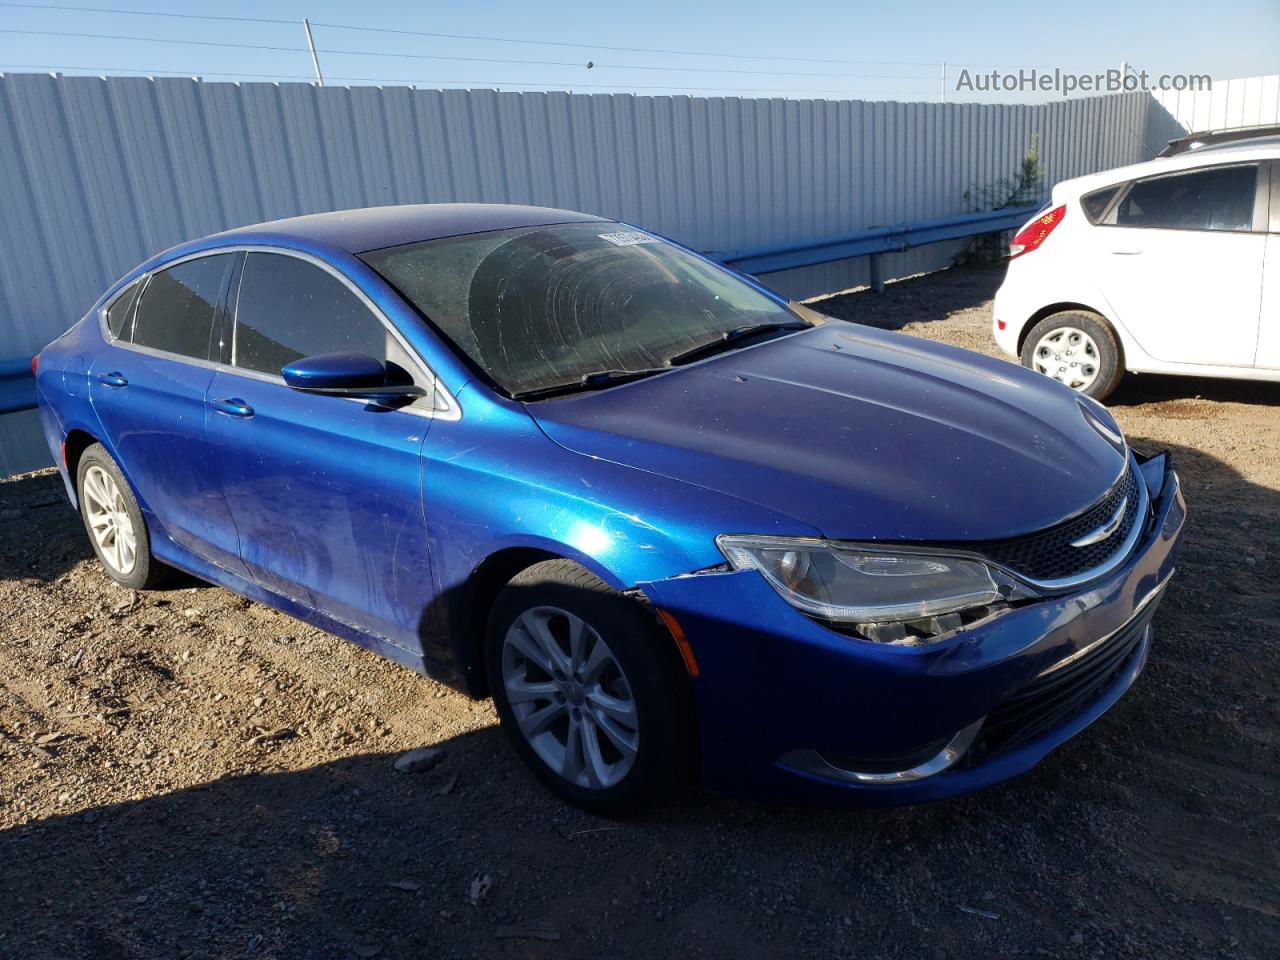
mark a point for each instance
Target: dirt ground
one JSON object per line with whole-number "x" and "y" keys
{"x": 188, "y": 774}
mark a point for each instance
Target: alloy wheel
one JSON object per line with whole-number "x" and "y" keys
{"x": 109, "y": 521}
{"x": 1068, "y": 355}
{"x": 570, "y": 697}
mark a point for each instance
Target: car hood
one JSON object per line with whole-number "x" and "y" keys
{"x": 860, "y": 433}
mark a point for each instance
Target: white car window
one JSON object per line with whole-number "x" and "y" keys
{"x": 1218, "y": 199}
{"x": 1095, "y": 204}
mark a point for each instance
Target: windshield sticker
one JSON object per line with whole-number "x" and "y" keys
{"x": 628, "y": 238}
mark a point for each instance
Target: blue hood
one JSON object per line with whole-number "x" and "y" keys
{"x": 860, "y": 433}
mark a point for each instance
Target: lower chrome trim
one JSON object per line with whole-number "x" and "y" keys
{"x": 811, "y": 761}
{"x": 1084, "y": 651}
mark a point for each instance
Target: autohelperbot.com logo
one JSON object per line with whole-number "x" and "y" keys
{"x": 1117, "y": 80}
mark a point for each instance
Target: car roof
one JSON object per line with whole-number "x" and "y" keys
{"x": 1260, "y": 142}
{"x": 1224, "y": 137}
{"x": 371, "y": 228}
{"x": 1242, "y": 152}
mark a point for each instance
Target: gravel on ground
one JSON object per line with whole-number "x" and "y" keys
{"x": 188, "y": 774}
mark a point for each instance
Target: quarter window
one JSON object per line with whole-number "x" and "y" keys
{"x": 1097, "y": 202}
{"x": 120, "y": 313}
{"x": 289, "y": 309}
{"x": 1216, "y": 199}
{"x": 178, "y": 307}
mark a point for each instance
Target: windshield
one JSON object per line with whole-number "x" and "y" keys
{"x": 538, "y": 307}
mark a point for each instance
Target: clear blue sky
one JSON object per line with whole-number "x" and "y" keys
{"x": 886, "y": 50}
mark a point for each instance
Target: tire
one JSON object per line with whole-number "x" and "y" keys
{"x": 627, "y": 664}
{"x": 1077, "y": 348}
{"x": 107, "y": 503}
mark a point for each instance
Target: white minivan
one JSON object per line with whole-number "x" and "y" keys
{"x": 1168, "y": 266}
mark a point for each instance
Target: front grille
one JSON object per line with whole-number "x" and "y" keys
{"x": 1049, "y": 555}
{"x": 1053, "y": 698}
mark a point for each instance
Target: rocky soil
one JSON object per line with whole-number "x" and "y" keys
{"x": 188, "y": 774}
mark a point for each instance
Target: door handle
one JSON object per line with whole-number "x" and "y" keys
{"x": 113, "y": 379}
{"x": 233, "y": 407}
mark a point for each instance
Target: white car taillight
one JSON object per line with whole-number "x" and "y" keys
{"x": 1036, "y": 232}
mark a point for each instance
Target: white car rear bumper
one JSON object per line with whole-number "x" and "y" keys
{"x": 1009, "y": 314}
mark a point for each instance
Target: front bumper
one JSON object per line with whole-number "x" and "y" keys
{"x": 775, "y": 688}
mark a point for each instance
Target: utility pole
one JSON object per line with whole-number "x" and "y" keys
{"x": 311, "y": 45}
{"x": 942, "y": 95}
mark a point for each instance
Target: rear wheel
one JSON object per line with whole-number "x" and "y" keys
{"x": 1077, "y": 348}
{"x": 586, "y": 685}
{"x": 114, "y": 522}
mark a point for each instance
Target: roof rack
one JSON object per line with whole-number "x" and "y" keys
{"x": 1217, "y": 138}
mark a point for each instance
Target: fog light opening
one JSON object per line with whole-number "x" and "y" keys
{"x": 924, "y": 630}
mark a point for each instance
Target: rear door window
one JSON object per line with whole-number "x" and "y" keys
{"x": 289, "y": 309}
{"x": 1217, "y": 199}
{"x": 177, "y": 310}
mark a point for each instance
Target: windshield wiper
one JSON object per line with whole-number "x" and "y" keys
{"x": 607, "y": 378}
{"x": 730, "y": 337}
{"x": 588, "y": 381}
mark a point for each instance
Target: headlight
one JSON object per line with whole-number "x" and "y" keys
{"x": 870, "y": 588}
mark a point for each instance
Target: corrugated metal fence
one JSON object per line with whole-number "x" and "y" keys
{"x": 97, "y": 174}
{"x": 1246, "y": 102}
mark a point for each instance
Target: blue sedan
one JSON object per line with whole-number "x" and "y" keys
{"x": 675, "y": 526}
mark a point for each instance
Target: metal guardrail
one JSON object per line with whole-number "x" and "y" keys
{"x": 876, "y": 241}
{"x": 17, "y": 385}
{"x": 18, "y": 388}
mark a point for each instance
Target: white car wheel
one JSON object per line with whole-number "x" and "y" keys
{"x": 1077, "y": 348}
{"x": 1069, "y": 355}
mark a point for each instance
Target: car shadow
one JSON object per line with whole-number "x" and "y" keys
{"x": 1149, "y": 821}
{"x": 923, "y": 299}
{"x": 1154, "y": 388}
{"x": 42, "y": 535}
{"x": 352, "y": 858}
{"x": 940, "y": 295}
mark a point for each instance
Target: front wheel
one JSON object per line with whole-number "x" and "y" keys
{"x": 1077, "y": 348}
{"x": 588, "y": 689}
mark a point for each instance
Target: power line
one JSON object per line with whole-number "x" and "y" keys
{"x": 763, "y": 73}
{"x": 626, "y": 66}
{"x": 459, "y": 59}
{"x": 494, "y": 39}
{"x": 197, "y": 43}
{"x": 146, "y": 13}
{"x": 467, "y": 36}
{"x": 148, "y": 72}
{"x": 479, "y": 83}
{"x": 600, "y": 46}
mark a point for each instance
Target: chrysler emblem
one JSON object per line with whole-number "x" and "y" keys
{"x": 1104, "y": 531}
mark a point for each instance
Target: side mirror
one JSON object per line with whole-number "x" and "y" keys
{"x": 346, "y": 375}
